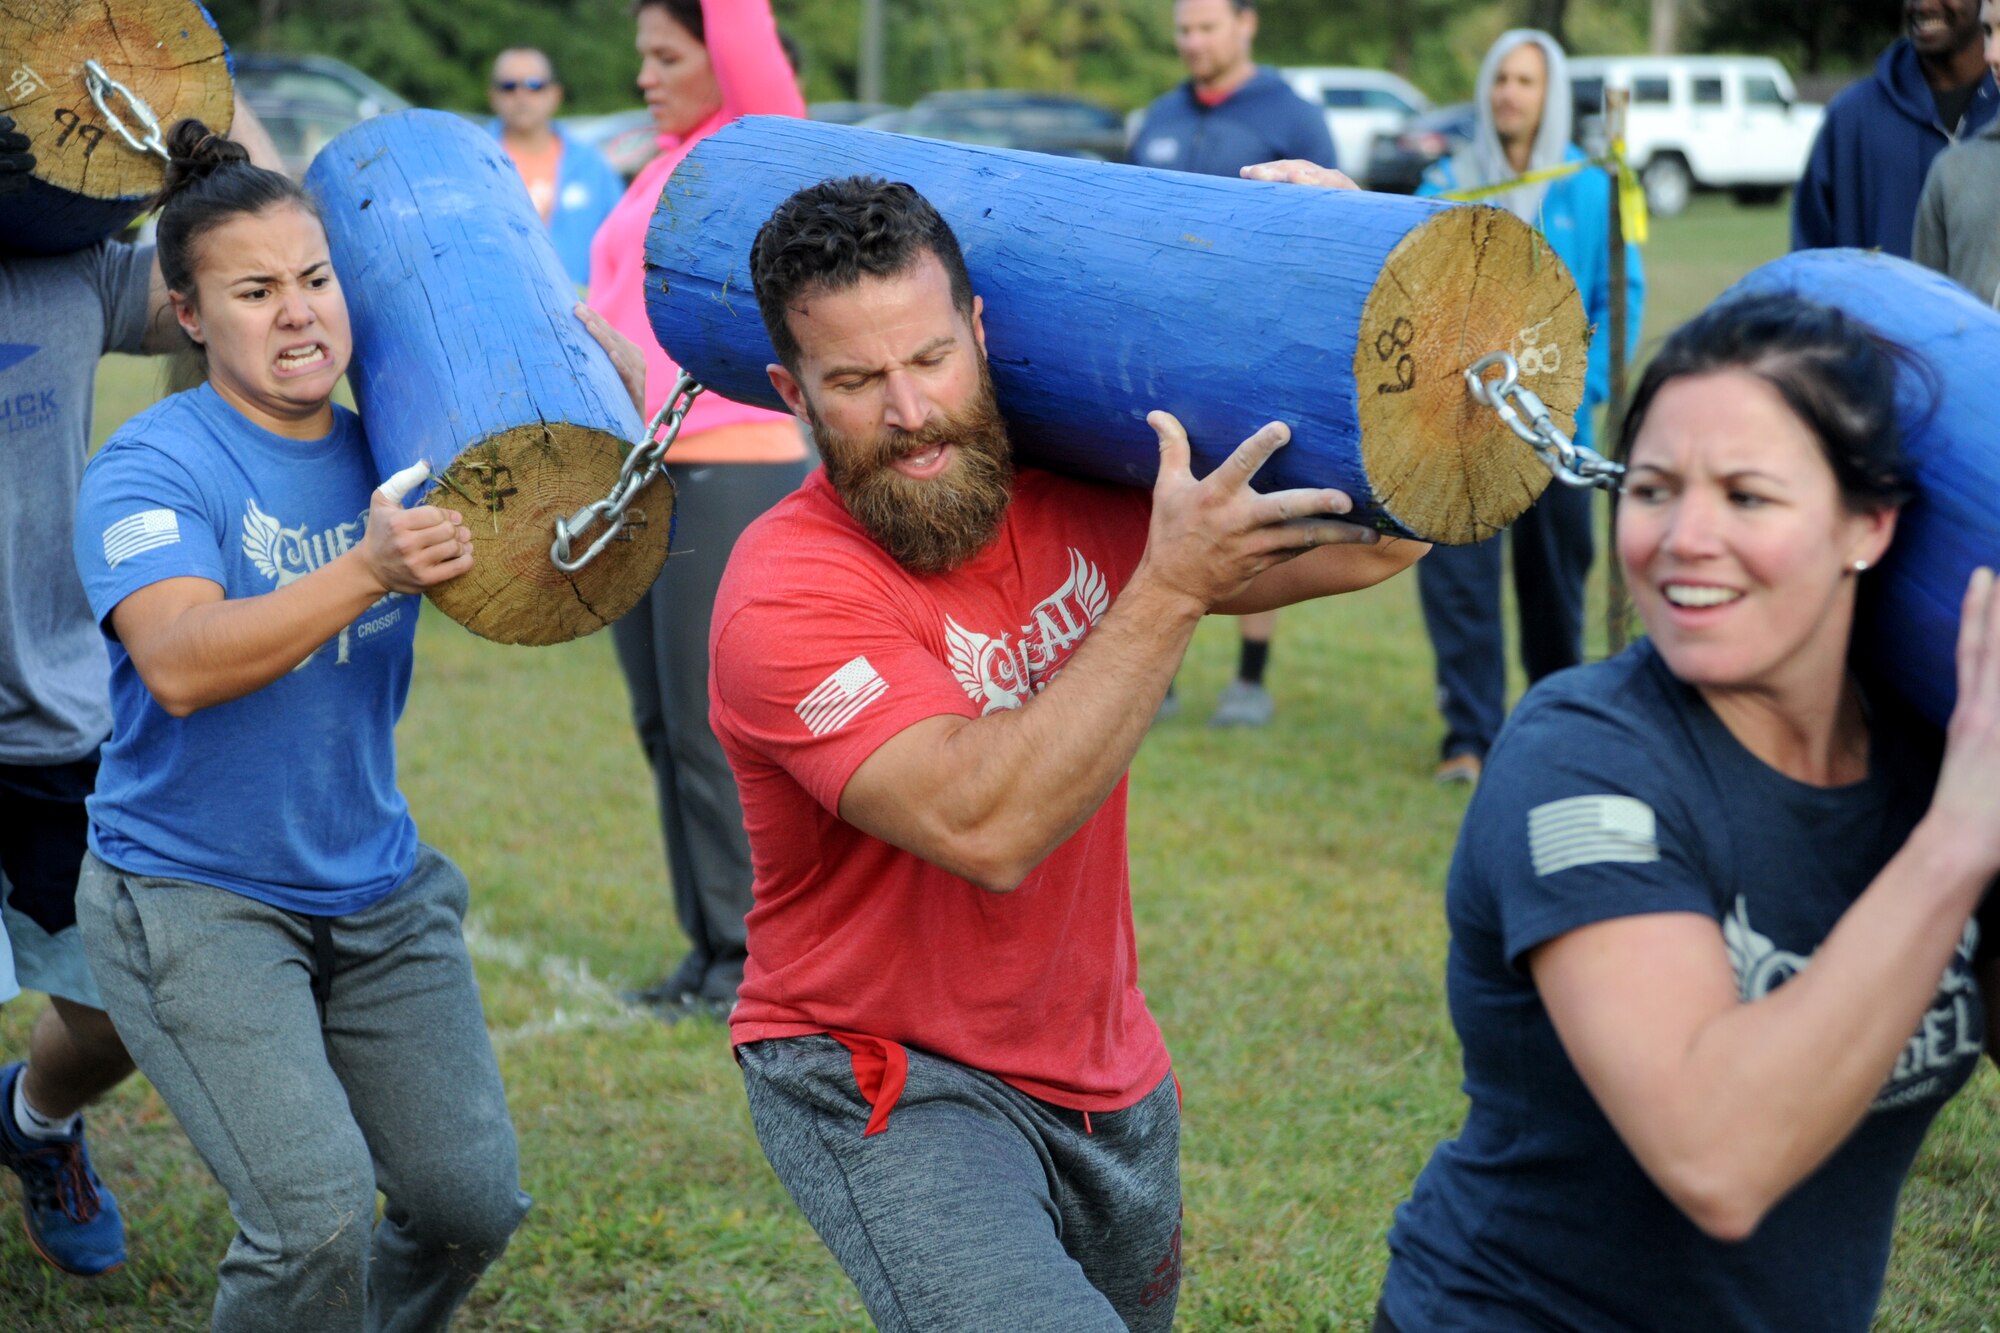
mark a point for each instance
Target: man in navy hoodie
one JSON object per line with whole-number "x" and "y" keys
{"x": 1230, "y": 114}
{"x": 1930, "y": 89}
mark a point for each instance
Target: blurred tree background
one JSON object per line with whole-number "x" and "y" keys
{"x": 437, "y": 52}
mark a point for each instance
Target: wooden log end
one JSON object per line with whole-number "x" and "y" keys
{"x": 167, "y": 52}
{"x": 511, "y": 488}
{"x": 1466, "y": 282}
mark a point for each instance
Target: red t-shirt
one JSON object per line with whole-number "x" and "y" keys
{"x": 822, "y": 648}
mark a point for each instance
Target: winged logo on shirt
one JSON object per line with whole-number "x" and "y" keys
{"x": 285, "y": 555}
{"x": 1952, "y": 1031}
{"x": 1001, "y": 671}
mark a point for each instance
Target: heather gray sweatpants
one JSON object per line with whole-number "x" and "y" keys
{"x": 303, "y": 1119}
{"x": 978, "y": 1206}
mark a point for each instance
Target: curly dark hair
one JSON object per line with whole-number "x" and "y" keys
{"x": 832, "y": 234}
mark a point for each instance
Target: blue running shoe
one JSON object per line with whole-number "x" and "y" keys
{"x": 73, "y": 1222}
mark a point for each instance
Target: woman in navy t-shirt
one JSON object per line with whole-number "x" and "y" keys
{"x": 280, "y": 954}
{"x": 1714, "y": 958}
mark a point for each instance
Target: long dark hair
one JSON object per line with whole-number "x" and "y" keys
{"x": 1837, "y": 375}
{"x": 210, "y": 179}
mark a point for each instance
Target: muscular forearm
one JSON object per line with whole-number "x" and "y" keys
{"x": 1326, "y": 572}
{"x": 1768, "y": 1090}
{"x": 1003, "y": 791}
{"x": 215, "y": 650}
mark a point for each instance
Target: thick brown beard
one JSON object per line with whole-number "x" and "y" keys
{"x": 927, "y": 527}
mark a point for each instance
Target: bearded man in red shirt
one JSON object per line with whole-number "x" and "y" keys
{"x": 930, "y": 670}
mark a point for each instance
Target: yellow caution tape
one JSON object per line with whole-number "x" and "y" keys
{"x": 1631, "y": 194}
{"x": 1473, "y": 194}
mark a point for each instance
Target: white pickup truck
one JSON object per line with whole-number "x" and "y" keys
{"x": 1703, "y": 122}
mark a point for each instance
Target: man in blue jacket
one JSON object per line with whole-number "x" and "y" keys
{"x": 1230, "y": 114}
{"x": 1524, "y": 125}
{"x": 571, "y": 185}
{"x": 1930, "y": 89}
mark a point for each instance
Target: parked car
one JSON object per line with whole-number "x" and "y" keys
{"x": 847, "y": 113}
{"x": 1360, "y": 105}
{"x": 1398, "y": 164}
{"x": 306, "y": 100}
{"x": 1702, "y": 122}
{"x": 1038, "y": 122}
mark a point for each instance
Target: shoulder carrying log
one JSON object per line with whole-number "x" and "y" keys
{"x": 1112, "y": 290}
{"x": 467, "y": 353}
{"x": 88, "y": 182}
{"x": 1908, "y": 622}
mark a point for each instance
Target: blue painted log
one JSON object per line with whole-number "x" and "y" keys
{"x": 1908, "y": 623}
{"x": 1112, "y": 290}
{"x": 467, "y": 354}
{"x": 87, "y": 183}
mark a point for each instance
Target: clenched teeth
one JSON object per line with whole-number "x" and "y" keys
{"x": 301, "y": 356}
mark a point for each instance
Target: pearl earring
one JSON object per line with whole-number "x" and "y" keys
{"x": 1859, "y": 566}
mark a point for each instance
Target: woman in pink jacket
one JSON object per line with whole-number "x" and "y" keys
{"x": 702, "y": 63}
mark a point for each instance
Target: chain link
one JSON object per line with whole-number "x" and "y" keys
{"x": 641, "y": 466}
{"x": 99, "y": 83}
{"x": 1573, "y": 464}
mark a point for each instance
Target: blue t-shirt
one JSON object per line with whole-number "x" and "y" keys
{"x": 1614, "y": 791}
{"x": 288, "y": 794}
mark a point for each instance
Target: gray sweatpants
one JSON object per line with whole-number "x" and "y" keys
{"x": 978, "y": 1206}
{"x": 302, "y": 1120}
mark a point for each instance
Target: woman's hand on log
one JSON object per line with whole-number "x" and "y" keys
{"x": 1971, "y": 773}
{"x": 1210, "y": 538}
{"x": 625, "y": 355}
{"x": 1298, "y": 171}
{"x": 409, "y": 550}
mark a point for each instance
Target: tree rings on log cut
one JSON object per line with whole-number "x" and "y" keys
{"x": 512, "y": 488}
{"x": 167, "y": 52}
{"x": 1464, "y": 283}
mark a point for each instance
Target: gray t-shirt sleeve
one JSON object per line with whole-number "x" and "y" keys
{"x": 124, "y": 282}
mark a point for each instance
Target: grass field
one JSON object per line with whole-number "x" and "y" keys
{"x": 1287, "y": 886}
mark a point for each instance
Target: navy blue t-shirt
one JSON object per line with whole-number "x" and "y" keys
{"x": 1614, "y": 791}
{"x": 288, "y": 794}
{"x": 1262, "y": 121}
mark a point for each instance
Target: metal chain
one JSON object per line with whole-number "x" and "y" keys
{"x": 1573, "y": 464}
{"x": 99, "y": 83}
{"x": 640, "y": 467}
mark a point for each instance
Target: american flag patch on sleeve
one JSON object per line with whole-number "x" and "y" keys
{"x": 143, "y": 531}
{"x": 1591, "y": 830}
{"x": 835, "y": 700}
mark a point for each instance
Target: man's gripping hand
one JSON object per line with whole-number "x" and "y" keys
{"x": 1298, "y": 171}
{"x": 1210, "y": 538}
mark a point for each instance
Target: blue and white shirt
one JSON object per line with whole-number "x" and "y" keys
{"x": 288, "y": 794}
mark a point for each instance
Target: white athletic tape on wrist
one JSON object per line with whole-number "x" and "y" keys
{"x": 402, "y": 483}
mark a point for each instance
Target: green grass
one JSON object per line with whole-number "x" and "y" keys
{"x": 1287, "y": 886}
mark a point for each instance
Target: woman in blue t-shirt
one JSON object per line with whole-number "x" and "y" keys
{"x": 280, "y": 954}
{"x": 1714, "y": 960}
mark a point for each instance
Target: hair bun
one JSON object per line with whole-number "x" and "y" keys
{"x": 194, "y": 151}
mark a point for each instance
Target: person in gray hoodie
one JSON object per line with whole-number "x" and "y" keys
{"x": 1958, "y": 216}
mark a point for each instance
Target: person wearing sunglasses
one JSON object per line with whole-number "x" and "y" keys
{"x": 573, "y": 188}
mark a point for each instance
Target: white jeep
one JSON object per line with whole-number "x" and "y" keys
{"x": 1702, "y": 122}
